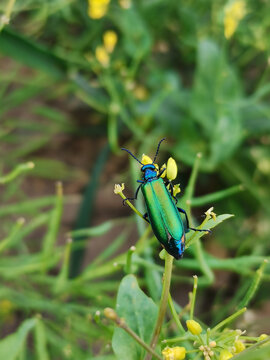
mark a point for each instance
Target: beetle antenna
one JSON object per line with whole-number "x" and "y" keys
{"x": 158, "y": 149}
{"x": 130, "y": 153}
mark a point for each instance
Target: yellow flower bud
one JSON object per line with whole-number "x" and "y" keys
{"x": 171, "y": 169}
{"x": 175, "y": 353}
{"x": 234, "y": 12}
{"x": 97, "y": 8}
{"x": 194, "y": 327}
{"x": 176, "y": 189}
{"x": 164, "y": 172}
{"x": 146, "y": 160}
{"x": 225, "y": 355}
{"x": 239, "y": 346}
{"x": 110, "y": 40}
{"x": 263, "y": 337}
{"x": 110, "y": 314}
{"x": 102, "y": 56}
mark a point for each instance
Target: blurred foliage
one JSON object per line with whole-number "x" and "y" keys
{"x": 194, "y": 72}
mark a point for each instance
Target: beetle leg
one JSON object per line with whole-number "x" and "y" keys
{"x": 183, "y": 211}
{"x": 135, "y": 197}
{"x": 162, "y": 171}
{"x": 168, "y": 182}
{"x": 145, "y": 216}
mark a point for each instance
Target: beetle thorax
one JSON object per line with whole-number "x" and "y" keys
{"x": 150, "y": 172}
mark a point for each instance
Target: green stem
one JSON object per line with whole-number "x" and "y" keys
{"x": 204, "y": 267}
{"x": 163, "y": 301}
{"x": 175, "y": 316}
{"x": 228, "y": 320}
{"x": 195, "y": 277}
{"x": 254, "y": 285}
{"x": 191, "y": 183}
{"x": 112, "y": 315}
{"x": 179, "y": 339}
{"x": 130, "y": 205}
{"x": 19, "y": 169}
{"x": 128, "y": 267}
{"x": 150, "y": 351}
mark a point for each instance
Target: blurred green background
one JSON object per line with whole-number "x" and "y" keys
{"x": 80, "y": 80}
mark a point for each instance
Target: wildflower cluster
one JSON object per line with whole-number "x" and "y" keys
{"x": 208, "y": 343}
{"x": 103, "y": 52}
{"x": 234, "y": 13}
{"x": 168, "y": 170}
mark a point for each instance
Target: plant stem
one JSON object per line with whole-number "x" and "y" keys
{"x": 149, "y": 349}
{"x": 130, "y": 205}
{"x": 254, "y": 285}
{"x": 19, "y": 169}
{"x": 195, "y": 277}
{"x": 191, "y": 183}
{"x": 112, "y": 315}
{"x": 229, "y": 319}
{"x": 175, "y": 316}
{"x": 163, "y": 301}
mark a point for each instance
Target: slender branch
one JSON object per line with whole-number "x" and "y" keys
{"x": 163, "y": 302}
{"x": 229, "y": 319}
{"x": 175, "y": 316}
{"x": 112, "y": 315}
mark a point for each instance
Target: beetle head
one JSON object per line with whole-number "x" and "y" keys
{"x": 149, "y": 171}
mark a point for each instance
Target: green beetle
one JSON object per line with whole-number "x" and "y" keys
{"x": 162, "y": 212}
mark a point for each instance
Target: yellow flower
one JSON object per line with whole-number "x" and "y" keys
{"x": 102, "y": 56}
{"x": 194, "y": 327}
{"x": 146, "y": 160}
{"x": 239, "y": 346}
{"x": 164, "y": 172}
{"x": 234, "y": 12}
{"x": 175, "y": 353}
{"x": 263, "y": 337}
{"x": 225, "y": 355}
{"x": 176, "y": 189}
{"x": 97, "y": 8}
{"x": 110, "y": 40}
{"x": 171, "y": 169}
{"x": 119, "y": 188}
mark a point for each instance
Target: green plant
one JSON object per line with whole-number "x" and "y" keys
{"x": 128, "y": 71}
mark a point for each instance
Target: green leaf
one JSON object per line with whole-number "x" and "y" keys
{"x": 11, "y": 345}
{"x": 41, "y": 341}
{"x": 216, "y": 91}
{"x": 139, "y": 313}
{"x": 216, "y": 196}
{"x": 31, "y": 54}
{"x": 210, "y": 224}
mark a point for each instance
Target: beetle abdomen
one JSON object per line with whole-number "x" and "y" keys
{"x": 164, "y": 217}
